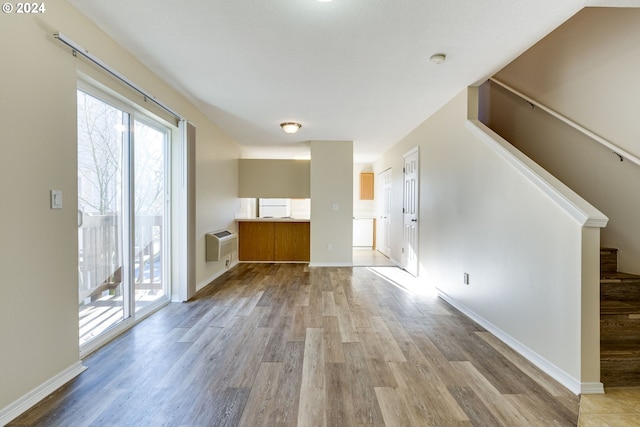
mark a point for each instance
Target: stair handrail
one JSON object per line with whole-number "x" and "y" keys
{"x": 618, "y": 151}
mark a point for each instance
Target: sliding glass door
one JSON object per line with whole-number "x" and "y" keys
{"x": 150, "y": 205}
{"x": 122, "y": 214}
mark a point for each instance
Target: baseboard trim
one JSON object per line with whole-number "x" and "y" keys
{"x": 273, "y": 262}
{"x": 20, "y": 406}
{"x": 331, "y": 264}
{"x": 573, "y": 385}
{"x": 591, "y": 388}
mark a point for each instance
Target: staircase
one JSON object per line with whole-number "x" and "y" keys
{"x": 619, "y": 323}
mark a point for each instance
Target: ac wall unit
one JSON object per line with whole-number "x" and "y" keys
{"x": 220, "y": 244}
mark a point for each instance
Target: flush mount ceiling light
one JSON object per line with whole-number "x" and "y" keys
{"x": 290, "y": 127}
{"x": 438, "y": 58}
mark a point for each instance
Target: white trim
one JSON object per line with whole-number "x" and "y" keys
{"x": 549, "y": 368}
{"x": 397, "y": 263}
{"x": 591, "y": 388}
{"x": 20, "y": 406}
{"x": 273, "y": 262}
{"x": 415, "y": 149}
{"x": 610, "y": 145}
{"x": 207, "y": 281}
{"x": 581, "y": 210}
{"x": 331, "y": 264}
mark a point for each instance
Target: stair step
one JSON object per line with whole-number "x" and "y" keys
{"x": 619, "y": 287}
{"x": 620, "y": 367}
{"x": 620, "y": 329}
{"x": 629, "y": 308}
{"x": 619, "y": 323}
{"x": 608, "y": 260}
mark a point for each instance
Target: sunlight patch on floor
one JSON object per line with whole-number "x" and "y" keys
{"x": 405, "y": 281}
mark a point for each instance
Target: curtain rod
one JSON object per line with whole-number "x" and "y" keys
{"x": 78, "y": 49}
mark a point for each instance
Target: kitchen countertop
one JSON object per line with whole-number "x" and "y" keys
{"x": 273, "y": 219}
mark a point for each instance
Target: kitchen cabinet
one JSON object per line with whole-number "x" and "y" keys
{"x": 292, "y": 241}
{"x": 366, "y": 186}
{"x": 264, "y": 240}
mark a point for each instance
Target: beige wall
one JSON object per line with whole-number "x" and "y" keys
{"x": 331, "y": 177}
{"x": 39, "y": 311}
{"x": 274, "y": 178}
{"x": 38, "y": 247}
{"x": 587, "y": 70}
{"x": 522, "y": 251}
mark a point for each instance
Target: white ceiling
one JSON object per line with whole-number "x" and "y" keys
{"x": 347, "y": 70}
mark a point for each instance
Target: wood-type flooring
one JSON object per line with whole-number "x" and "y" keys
{"x": 289, "y": 345}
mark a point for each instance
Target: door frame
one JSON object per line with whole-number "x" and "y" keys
{"x": 383, "y": 241}
{"x": 131, "y": 316}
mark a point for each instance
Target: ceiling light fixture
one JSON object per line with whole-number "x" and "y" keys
{"x": 438, "y": 58}
{"x": 290, "y": 127}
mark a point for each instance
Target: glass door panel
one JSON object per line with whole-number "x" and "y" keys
{"x": 150, "y": 148}
{"x": 102, "y": 142}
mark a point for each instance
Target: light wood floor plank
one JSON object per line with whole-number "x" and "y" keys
{"x": 288, "y": 345}
{"x": 339, "y": 396}
{"x": 259, "y": 409}
{"x": 348, "y": 331}
{"x": 393, "y": 406}
{"x": 332, "y": 343}
{"x": 498, "y": 404}
{"x": 366, "y": 407}
{"x": 288, "y": 397}
{"x": 311, "y": 410}
{"x": 388, "y": 344}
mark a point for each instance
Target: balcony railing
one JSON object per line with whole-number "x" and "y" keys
{"x": 101, "y": 274}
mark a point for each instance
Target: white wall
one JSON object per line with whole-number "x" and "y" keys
{"x": 38, "y": 248}
{"x": 331, "y": 175}
{"x": 523, "y": 253}
{"x": 587, "y": 70}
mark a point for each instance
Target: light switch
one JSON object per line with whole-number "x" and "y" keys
{"x": 56, "y": 199}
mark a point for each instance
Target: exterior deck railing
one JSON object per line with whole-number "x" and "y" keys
{"x": 100, "y": 259}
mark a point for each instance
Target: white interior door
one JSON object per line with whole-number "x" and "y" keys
{"x": 383, "y": 235}
{"x": 410, "y": 212}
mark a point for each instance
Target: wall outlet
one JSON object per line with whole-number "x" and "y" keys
{"x": 466, "y": 278}
{"x": 227, "y": 262}
{"x": 329, "y": 247}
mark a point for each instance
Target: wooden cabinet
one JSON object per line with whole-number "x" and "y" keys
{"x": 256, "y": 241}
{"x": 292, "y": 241}
{"x": 274, "y": 241}
{"x": 366, "y": 186}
